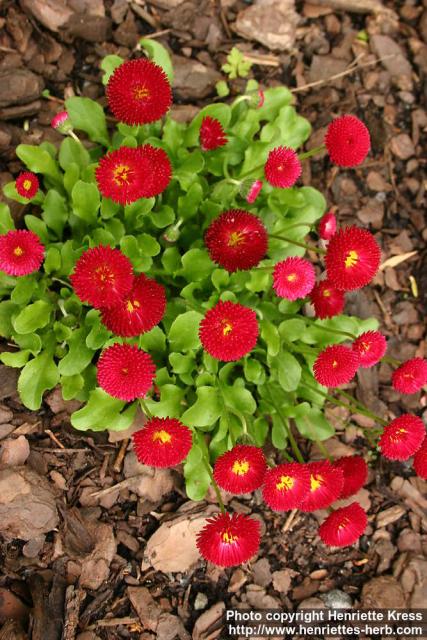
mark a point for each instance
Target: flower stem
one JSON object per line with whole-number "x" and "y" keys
{"x": 361, "y": 408}
{"x": 392, "y": 361}
{"x": 312, "y": 152}
{"x": 292, "y": 440}
{"x": 298, "y": 244}
{"x": 214, "y": 484}
{"x": 74, "y": 136}
{"x": 324, "y": 450}
{"x": 318, "y": 326}
{"x": 145, "y": 408}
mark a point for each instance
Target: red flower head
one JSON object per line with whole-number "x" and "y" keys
{"x": 411, "y": 376}
{"x": 102, "y": 277}
{"x": 163, "y": 442}
{"x": 352, "y": 258}
{"x": 402, "y": 437}
{"x": 326, "y": 483}
{"x": 253, "y": 191}
{"x": 125, "y": 372}
{"x": 286, "y": 486}
{"x": 139, "y": 92}
{"x": 236, "y": 240}
{"x": 335, "y": 365}
{"x": 127, "y": 174}
{"x": 293, "y": 278}
{"x": 370, "y": 346}
{"x": 27, "y": 184}
{"x": 355, "y": 472}
{"x": 228, "y": 540}
{"x": 140, "y": 311}
{"x": 347, "y": 141}
{"x": 21, "y": 252}
{"x": 327, "y": 300}
{"x": 344, "y": 526}
{"x": 420, "y": 460}
{"x": 211, "y": 134}
{"x": 61, "y": 122}
{"x": 229, "y": 331}
{"x": 240, "y": 470}
{"x": 327, "y": 226}
{"x": 283, "y": 167}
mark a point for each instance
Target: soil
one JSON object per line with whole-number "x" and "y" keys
{"x": 94, "y": 555}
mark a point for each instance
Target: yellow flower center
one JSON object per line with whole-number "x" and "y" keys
{"x": 122, "y": 175}
{"x": 240, "y": 467}
{"x": 344, "y": 523}
{"x": 162, "y": 436}
{"x": 365, "y": 346}
{"x": 286, "y": 483}
{"x": 141, "y": 93}
{"x": 397, "y": 436}
{"x": 236, "y": 238}
{"x": 131, "y": 306}
{"x": 18, "y": 251}
{"x": 351, "y": 259}
{"x": 327, "y": 293}
{"x": 27, "y": 184}
{"x": 315, "y": 482}
{"x": 228, "y": 537}
{"x": 227, "y": 327}
{"x": 292, "y": 277}
{"x": 104, "y": 274}
{"x": 334, "y": 364}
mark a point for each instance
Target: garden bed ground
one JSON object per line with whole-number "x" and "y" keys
{"x": 112, "y": 566}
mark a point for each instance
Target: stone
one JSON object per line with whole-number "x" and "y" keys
{"x": 402, "y": 146}
{"x": 383, "y": 592}
{"x": 193, "y": 80}
{"x": 27, "y": 504}
{"x": 53, "y": 14}
{"x": 271, "y": 22}
{"x": 19, "y": 87}
{"x": 96, "y": 566}
{"x": 388, "y": 516}
{"x": 6, "y": 415}
{"x": 90, "y": 28}
{"x": 14, "y": 452}
{"x": 323, "y": 67}
{"x": 396, "y": 63}
{"x": 337, "y": 599}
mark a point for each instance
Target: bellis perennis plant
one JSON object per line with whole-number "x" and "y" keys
{"x": 164, "y": 266}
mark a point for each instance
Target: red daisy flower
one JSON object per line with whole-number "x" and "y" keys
{"x": 211, "y": 134}
{"x": 355, "y": 472}
{"x": 293, "y": 278}
{"x": 352, "y": 259}
{"x": 102, "y": 277}
{"x": 139, "y": 92}
{"x": 228, "y": 540}
{"x": 253, "y": 191}
{"x": 344, "y": 526}
{"x": 125, "y": 372}
{"x": 327, "y": 300}
{"x": 286, "y": 486}
{"x": 411, "y": 376}
{"x": 283, "y": 167}
{"x": 371, "y": 347}
{"x": 127, "y": 174}
{"x": 347, "y": 141}
{"x": 27, "y": 184}
{"x": 21, "y": 252}
{"x": 335, "y": 365}
{"x": 236, "y": 240}
{"x": 420, "y": 460}
{"x": 327, "y": 226}
{"x": 61, "y": 122}
{"x": 229, "y": 331}
{"x": 240, "y": 470}
{"x": 163, "y": 442}
{"x": 326, "y": 483}
{"x": 402, "y": 437}
{"x": 140, "y": 311}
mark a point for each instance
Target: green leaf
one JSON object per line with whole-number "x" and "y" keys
{"x": 154, "y": 340}
{"x": 109, "y": 64}
{"x": 24, "y": 290}
{"x": 6, "y": 220}
{"x": 52, "y": 261}
{"x": 279, "y": 431}
{"x": 311, "y": 423}
{"x": 37, "y": 226}
{"x": 38, "y": 375}
{"x": 170, "y": 402}
{"x": 270, "y": 335}
{"x": 103, "y": 412}
{"x": 184, "y": 331}
{"x": 292, "y": 330}
{"x": 33, "y": 317}
{"x": 197, "y": 265}
{"x": 7, "y": 310}
{"x": 71, "y": 386}
{"x": 17, "y": 359}
{"x": 86, "y": 201}
{"x": 289, "y": 371}
{"x": 238, "y": 398}
{"x": 222, "y": 89}
{"x": 205, "y": 411}
{"x": 181, "y": 363}
{"x": 158, "y": 54}
{"x": 39, "y": 160}
{"x": 55, "y": 211}
{"x": 88, "y": 116}
{"x": 71, "y": 152}
{"x": 254, "y": 371}
{"x": 197, "y": 479}
{"x": 78, "y": 356}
